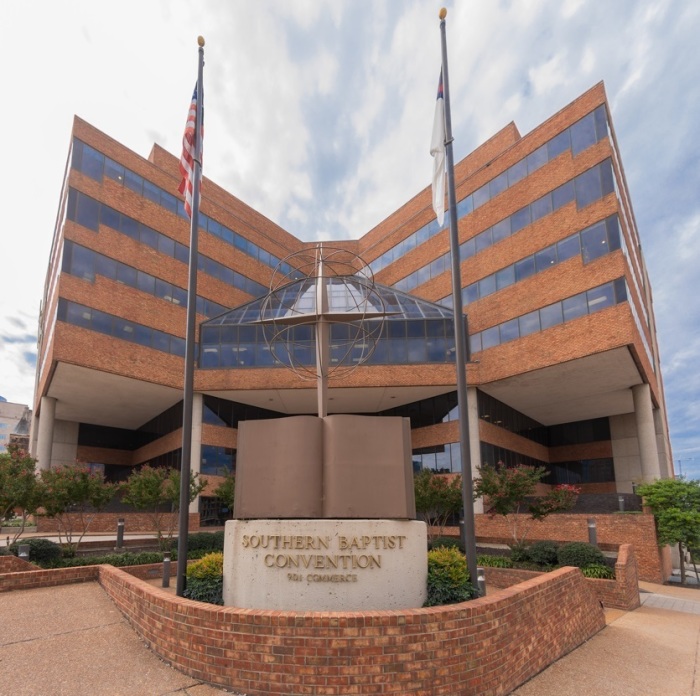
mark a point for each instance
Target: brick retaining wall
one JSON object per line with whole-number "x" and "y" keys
{"x": 620, "y": 593}
{"x": 106, "y": 522}
{"x": 638, "y": 530}
{"x": 477, "y": 647}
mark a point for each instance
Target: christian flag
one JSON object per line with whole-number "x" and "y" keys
{"x": 437, "y": 150}
{"x": 188, "y": 155}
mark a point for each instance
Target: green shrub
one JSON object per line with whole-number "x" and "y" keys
{"x": 519, "y": 553}
{"x": 40, "y": 550}
{"x": 580, "y": 555}
{"x": 543, "y": 553}
{"x": 204, "y": 540}
{"x": 494, "y": 561}
{"x": 598, "y": 571}
{"x": 446, "y": 542}
{"x": 205, "y": 579}
{"x": 448, "y": 577}
{"x": 210, "y": 566}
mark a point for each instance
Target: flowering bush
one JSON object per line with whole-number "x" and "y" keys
{"x": 509, "y": 492}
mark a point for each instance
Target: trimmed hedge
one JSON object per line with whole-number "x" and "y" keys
{"x": 205, "y": 579}
{"x": 580, "y": 555}
{"x": 41, "y": 551}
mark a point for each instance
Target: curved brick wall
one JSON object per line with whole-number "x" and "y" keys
{"x": 487, "y": 646}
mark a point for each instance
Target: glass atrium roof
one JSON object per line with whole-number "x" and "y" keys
{"x": 346, "y": 294}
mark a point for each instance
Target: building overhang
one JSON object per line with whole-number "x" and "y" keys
{"x": 590, "y": 387}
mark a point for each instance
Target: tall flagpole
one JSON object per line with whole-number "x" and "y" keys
{"x": 460, "y": 329}
{"x": 188, "y": 391}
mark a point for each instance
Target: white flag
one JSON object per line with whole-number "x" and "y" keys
{"x": 437, "y": 150}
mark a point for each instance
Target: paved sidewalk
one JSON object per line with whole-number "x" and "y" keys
{"x": 652, "y": 651}
{"x": 72, "y": 640}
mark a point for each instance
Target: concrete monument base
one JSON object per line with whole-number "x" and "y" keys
{"x": 325, "y": 565}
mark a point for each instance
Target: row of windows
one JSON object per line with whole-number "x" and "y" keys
{"x": 217, "y": 461}
{"x": 95, "y": 320}
{"x": 401, "y": 342}
{"x": 85, "y": 263}
{"x": 492, "y": 455}
{"x": 228, "y": 413}
{"x": 591, "y": 243}
{"x": 96, "y": 165}
{"x": 442, "y": 459}
{"x": 581, "y": 135}
{"x": 90, "y": 213}
{"x": 571, "y": 308}
{"x": 503, "y": 416}
{"x": 581, "y": 471}
{"x": 586, "y": 188}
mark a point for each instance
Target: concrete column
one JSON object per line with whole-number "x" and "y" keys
{"x": 474, "y": 441}
{"x": 196, "y": 446}
{"x": 47, "y": 418}
{"x": 646, "y": 432}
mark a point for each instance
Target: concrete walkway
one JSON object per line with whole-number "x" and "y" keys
{"x": 73, "y": 640}
{"x": 653, "y": 651}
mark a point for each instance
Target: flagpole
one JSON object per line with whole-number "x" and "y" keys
{"x": 461, "y": 352}
{"x": 188, "y": 390}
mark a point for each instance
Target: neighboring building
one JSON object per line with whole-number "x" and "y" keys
{"x": 564, "y": 366}
{"x": 14, "y": 425}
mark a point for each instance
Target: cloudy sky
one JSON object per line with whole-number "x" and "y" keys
{"x": 319, "y": 115}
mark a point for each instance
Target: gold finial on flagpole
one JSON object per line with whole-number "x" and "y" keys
{"x": 200, "y": 41}
{"x": 443, "y": 13}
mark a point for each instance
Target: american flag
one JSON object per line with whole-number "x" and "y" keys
{"x": 188, "y": 154}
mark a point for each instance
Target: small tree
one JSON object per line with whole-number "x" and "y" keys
{"x": 156, "y": 491}
{"x": 73, "y": 494}
{"x": 226, "y": 490}
{"x": 676, "y": 507}
{"x": 437, "y": 498}
{"x": 509, "y": 492}
{"x": 19, "y": 488}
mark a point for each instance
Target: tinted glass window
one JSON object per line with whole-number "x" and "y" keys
{"x": 106, "y": 267}
{"x": 129, "y": 227}
{"x": 601, "y": 122}
{"x": 465, "y": 206}
{"x": 558, "y": 144}
{"x": 133, "y": 181}
{"x": 467, "y": 249}
{"x": 483, "y": 240}
{"x": 594, "y": 242}
{"x": 517, "y": 172}
{"x": 567, "y": 248}
{"x": 93, "y": 163}
{"x": 490, "y": 337}
{"x": 574, "y": 307}
{"x": 501, "y": 230}
{"x": 109, "y": 217}
{"x": 583, "y": 134}
{"x": 587, "y": 187}
{"x": 480, "y": 196}
{"x": 520, "y": 219}
{"x": 83, "y": 263}
{"x": 546, "y": 258}
{"x": 613, "y": 228}
{"x": 149, "y": 237}
{"x": 151, "y": 191}
{"x": 470, "y": 293}
{"x": 146, "y": 282}
{"x": 166, "y": 245}
{"x": 529, "y": 323}
{"x": 601, "y": 297}
{"x": 536, "y": 159}
{"x": 505, "y": 277}
{"x": 509, "y": 331}
{"x": 114, "y": 171}
{"x": 606, "y": 177}
{"x": 562, "y": 195}
{"x": 551, "y": 316}
{"x": 499, "y": 184}
{"x": 541, "y": 207}
{"x": 525, "y": 268}
{"x": 487, "y": 285}
{"x": 88, "y": 212}
{"x": 126, "y": 274}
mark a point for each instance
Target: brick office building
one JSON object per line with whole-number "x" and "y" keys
{"x": 564, "y": 366}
